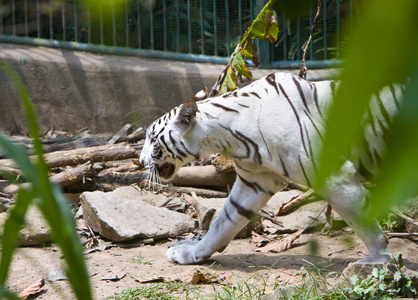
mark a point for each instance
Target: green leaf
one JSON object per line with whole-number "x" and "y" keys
{"x": 230, "y": 79}
{"x": 239, "y": 64}
{"x": 382, "y": 51}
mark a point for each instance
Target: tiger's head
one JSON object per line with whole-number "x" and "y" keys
{"x": 164, "y": 150}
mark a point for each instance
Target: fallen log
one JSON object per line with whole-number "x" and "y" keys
{"x": 206, "y": 193}
{"x": 203, "y": 176}
{"x": 63, "y": 179}
{"x": 82, "y": 155}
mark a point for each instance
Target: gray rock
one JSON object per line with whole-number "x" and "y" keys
{"x": 35, "y": 232}
{"x": 121, "y": 215}
{"x": 308, "y": 214}
{"x": 208, "y": 209}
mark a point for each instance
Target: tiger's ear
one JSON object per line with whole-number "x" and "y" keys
{"x": 188, "y": 110}
{"x": 203, "y": 94}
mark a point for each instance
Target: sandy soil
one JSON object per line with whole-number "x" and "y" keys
{"x": 239, "y": 258}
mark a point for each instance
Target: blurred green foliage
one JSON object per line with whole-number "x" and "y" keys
{"x": 383, "y": 50}
{"x": 46, "y": 196}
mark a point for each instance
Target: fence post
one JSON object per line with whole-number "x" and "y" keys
{"x": 263, "y": 47}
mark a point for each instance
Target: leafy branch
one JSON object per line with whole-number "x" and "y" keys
{"x": 264, "y": 28}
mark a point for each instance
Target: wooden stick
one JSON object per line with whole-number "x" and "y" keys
{"x": 399, "y": 213}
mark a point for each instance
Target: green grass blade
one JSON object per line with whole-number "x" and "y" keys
{"x": 10, "y": 236}
{"x": 383, "y": 51}
{"x": 51, "y": 202}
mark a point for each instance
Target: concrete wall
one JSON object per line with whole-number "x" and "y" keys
{"x": 76, "y": 90}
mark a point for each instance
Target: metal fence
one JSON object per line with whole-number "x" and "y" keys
{"x": 191, "y": 30}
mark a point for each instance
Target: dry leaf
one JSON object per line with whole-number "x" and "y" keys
{"x": 32, "y": 289}
{"x": 258, "y": 239}
{"x": 284, "y": 243}
{"x": 295, "y": 201}
{"x": 199, "y": 277}
{"x": 115, "y": 276}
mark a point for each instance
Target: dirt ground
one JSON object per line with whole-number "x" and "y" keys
{"x": 239, "y": 258}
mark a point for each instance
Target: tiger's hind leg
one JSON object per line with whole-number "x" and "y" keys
{"x": 349, "y": 199}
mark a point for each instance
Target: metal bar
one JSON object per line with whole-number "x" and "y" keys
{"x": 113, "y": 23}
{"x": 311, "y": 47}
{"x": 325, "y": 29}
{"x": 338, "y": 30}
{"x": 38, "y": 20}
{"x": 165, "y": 25}
{"x": 240, "y": 17}
{"x": 13, "y": 17}
{"x": 151, "y": 21}
{"x": 215, "y": 29}
{"x": 51, "y": 16}
{"x": 88, "y": 25}
{"x": 202, "y": 29}
{"x": 101, "y": 26}
{"x": 228, "y": 37}
{"x": 189, "y": 26}
{"x": 127, "y": 22}
{"x": 64, "y": 29}
{"x": 1, "y": 17}
{"x": 75, "y": 21}
{"x": 284, "y": 37}
{"x": 178, "y": 26}
{"x": 25, "y": 8}
{"x": 298, "y": 45}
{"x": 138, "y": 23}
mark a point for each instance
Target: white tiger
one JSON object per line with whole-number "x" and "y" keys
{"x": 271, "y": 128}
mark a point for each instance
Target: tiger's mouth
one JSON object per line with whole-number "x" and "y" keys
{"x": 166, "y": 170}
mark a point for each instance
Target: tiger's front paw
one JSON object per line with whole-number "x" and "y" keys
{"x": 185, "y": 253}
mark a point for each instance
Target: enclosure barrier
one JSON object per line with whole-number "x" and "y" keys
{"x": 188, "y": 30}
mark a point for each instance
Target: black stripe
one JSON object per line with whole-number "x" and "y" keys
{"x": 254, "y": 186}
{"x": 242, "y": 210}
{"x": 315, "y": 95}
{"x": 316, "y": 128}
{"x": 271, "y": 79}
{"x": 371, "y": 120}
{"x": 246, "y": 106}
{"x": 228, "y": 216}
{"x": 304, "y": 173}
{"x": 364, "y": 171}
{"x": 311, "y": 151}
{"x": 397, "y": 103}
{"x": 173, "y": 141}
{"x": 383, "y": 110}
{"x": 257, "y": 157}
{"x": 162, "y": 139}
{"x": 332, "y": 85}
{"x": 188, "y": 151}
{"x": 225, "y": 108}
{"x": 286, "y": 173}
{"x": 210, "y": 116}
{"x": 378, "y": 158}
{"x": 296, "y": 115}
{"x": 245, "y": 95}
{"x": 255, "y": 94}
{"x": 385, "y": 131}
{"x": 301, "y": 94}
